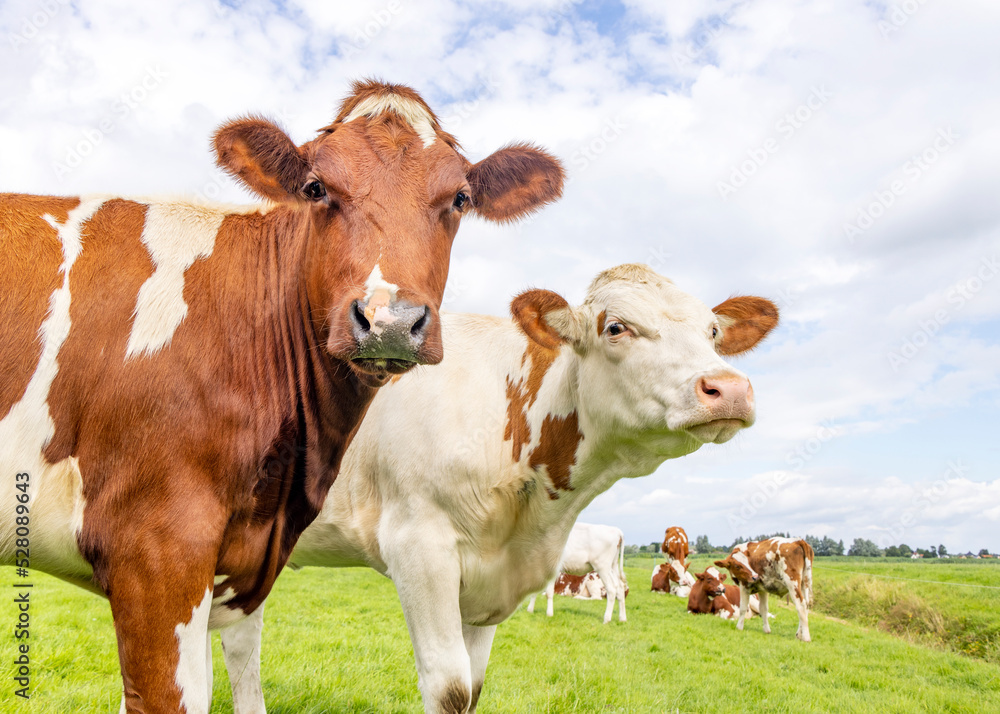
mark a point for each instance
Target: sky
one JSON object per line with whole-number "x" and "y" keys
{"x": 841, "y": 158}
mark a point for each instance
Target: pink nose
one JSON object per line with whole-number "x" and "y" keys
{"x": 726, "y": 396}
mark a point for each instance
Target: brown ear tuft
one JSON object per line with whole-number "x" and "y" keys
{"x": 721, "y": 564}
{"x": 529, "y": 310}
{"x": 261, "y": 156}
{"x": 514, "y": 182}
{"x": 745, "y": 321}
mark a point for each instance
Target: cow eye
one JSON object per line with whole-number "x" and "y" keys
{"x": 715, "y": 332}
{"x": 616, "y": 328}
{"x": 462, "y": 199}
{"x": 314, "y": 190}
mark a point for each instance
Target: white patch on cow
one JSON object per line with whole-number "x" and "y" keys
{"x": 411, "y": 111}
{"x": 176, "y": 235}
{"x": 241, "y": 647}
{"x": 54, "y": 490}
{"x": 741, "y": 558}
{"x": 192, "y": 650}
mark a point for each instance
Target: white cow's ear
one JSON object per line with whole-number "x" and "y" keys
{"x": 745, "y": 321}
{"x": 547, "y": 318}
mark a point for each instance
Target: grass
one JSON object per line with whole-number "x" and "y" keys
{"x": 335, "y": 641}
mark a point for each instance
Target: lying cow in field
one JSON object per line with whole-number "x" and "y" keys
{"x": 777, "y": 565}
{"x": 711, "y": 595}
{"x": 464, "y": 481}
{"x": 179, "y": 381}
{"x": 580, "y": 587}
{"x": 672, "y": 577}
{"x": 598, "y": 548}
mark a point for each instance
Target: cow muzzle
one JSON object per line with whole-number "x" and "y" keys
{"x": 725, "y": 404}
{"x": 390, "y": 337}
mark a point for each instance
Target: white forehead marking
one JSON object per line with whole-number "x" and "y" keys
{"x": 376, "y": 281}
{"x": 741, "y": 558}
{"x": 713, "y": 572}
{"x": 414, "y": 114}
{"x": 192, "y": 643}
{"x": 176, "y": 234}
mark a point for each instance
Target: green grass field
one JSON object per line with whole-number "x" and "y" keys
{"x": 335, "y": 641}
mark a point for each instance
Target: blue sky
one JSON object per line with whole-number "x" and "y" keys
{"x": 840, "y": 158}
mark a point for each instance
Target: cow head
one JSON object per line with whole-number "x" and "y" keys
{"x": 738, "y": 564}
{"x": 712, "y": 581}
{"x": 650, "y": 356}
{"x": 677, "y": 573}
{"x": 380, "y": 194}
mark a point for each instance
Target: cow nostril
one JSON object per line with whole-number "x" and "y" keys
{"x": 419, "y": 325}
{"x": 359, "y": 317}
{"x": 708, "y": 390}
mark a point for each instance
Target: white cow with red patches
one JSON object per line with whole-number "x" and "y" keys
{"x": 464, "y": 481}
{"x": 593, "y": 548}
{"x": 781, "y": 566}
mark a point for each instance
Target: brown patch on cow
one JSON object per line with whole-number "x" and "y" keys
{"x": 455, "y": 699}
{"x": 30, "y": 256}
{"x": 601, "y": 317}
{"x": 556, "y": 448}
{"x": 746, "y": 321}
{"x": 675, "y": 544}
{"x": 522, "y": 394}
{"x": 661, "y": 579}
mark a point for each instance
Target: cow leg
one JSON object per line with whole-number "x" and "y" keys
{"x": 424, "y": 564}
{"x": 241, "y": 647}
{"x": 615, "y": 590}
{"x": 744, "y": 604}
{"x": 478, "y": 643}
{"x": 763, "y": 612}
{"x": 162, "y": 649}
{"x": 531, "y": 603}
{"x": 550, "y": 594}
{"x": 795, "y": 595}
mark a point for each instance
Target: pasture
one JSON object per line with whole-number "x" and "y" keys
{"x": 335, "y": 641}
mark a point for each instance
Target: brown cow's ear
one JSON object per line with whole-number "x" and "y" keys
{"x": 722, "y": 577}
{"x": 721, "y": 564}
{"x": 700, "y": 576}
{"x": 515, "y": 181}
{"x": 262, "y": 157}
{"x": 546, "y": 318}
{"x": 745, "y": 321}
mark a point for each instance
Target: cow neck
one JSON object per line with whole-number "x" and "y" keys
{"x": 317, "y": 401}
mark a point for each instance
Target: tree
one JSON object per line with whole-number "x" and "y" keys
{"x": 942, "y": 551}
{"x": 983, "y": 551}
{"x": 864, "y": 548}
{"x": 905, "y": 551}
{"x": 892, "y": 552}
{"x": 701, "y": 545}
{"x": 655, "y": 546}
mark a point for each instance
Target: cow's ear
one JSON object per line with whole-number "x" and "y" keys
{"x": 744, "y": 322}
{"x": 700, "y": 576}
{"x": 722, "y": 577}
{"x": 721, "y": 564}
{"x": 261, "y": 156}
{"x": 515, "y": 181}
{"x": 547, "y": 318}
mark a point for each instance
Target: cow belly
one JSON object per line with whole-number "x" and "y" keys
{"x": 55, "y": 514}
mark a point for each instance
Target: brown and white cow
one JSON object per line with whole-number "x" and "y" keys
{"x": 179, "y": 381}
{"x": 580, "y": 587}
{"x": 599, "y": 548}
{"x": 712, "y": 595}
{"x": 781, "y": 566}
{"x": 520, "y": 427}
{"x": 675, "y": 545}
{"x": 671, "y": 577}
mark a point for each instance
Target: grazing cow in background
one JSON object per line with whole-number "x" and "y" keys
{"x": 781, "y": 566}
{"x": 464, "y": 480}
{"x": 598, "y": 548}
{"x": 675, "y": 545}
{"x": 672, "y": 577}
{"x": 179, "y": 381}
{"x": 581, "y": 587}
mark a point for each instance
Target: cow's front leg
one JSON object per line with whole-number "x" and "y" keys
{"x": 798, "y": 600}
{"x": 478, "y": 643}
{"x": 763, "y": 612}
{"x": 744, "y": 604}
{"x": 241, "y": 647}
{"x": 550, "y": 596}
{"x": 162, "y": 631}
{"x": 423, "y": 562}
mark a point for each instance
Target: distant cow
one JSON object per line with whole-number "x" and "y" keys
{"x": 464, "y": 480}
{"x": 581, "y": 587}
{"x": 710, "y": 594}
{"x": 777, "y": 565}
{"x": 672, "y": 577}
{"x": 675, "y": 545}
{"x": 598, "y": 548}
{"x": 180, "y": 380}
